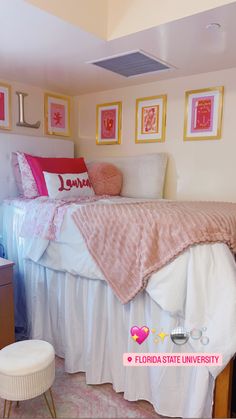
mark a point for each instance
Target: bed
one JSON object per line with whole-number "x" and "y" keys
{"x": 70, "y": 305}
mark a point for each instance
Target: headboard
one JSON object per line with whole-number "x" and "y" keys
{"x": 39, "y": 146}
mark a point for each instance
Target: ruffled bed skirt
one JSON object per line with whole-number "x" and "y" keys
{"x": 90, "y": 329}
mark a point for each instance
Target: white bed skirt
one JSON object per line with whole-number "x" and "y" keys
{"x": 90, "y": 329}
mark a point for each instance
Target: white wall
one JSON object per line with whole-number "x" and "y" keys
{"x": 34, "y": 109}
{"x": 203, "y": 170}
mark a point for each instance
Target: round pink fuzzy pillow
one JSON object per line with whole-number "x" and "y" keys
{"x": 106, "y": 178}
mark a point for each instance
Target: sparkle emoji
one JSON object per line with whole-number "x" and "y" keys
{"x": 162, "y": 335}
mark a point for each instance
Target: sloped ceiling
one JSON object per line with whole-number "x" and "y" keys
{"x": 111, "y": 19}
{"x": 130, "y": 16}
{"x": 89, "y": 15}
{"x": 45, "y": 50}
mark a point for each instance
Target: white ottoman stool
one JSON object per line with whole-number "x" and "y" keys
{"x": 27, "y": 369}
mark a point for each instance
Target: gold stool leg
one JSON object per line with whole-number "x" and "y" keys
{"x": 53, "y": 405}
{"x": 52, "y": 409}
{"x": 4, "y": 409}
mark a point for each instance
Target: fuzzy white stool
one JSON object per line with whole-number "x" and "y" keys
{"x": 27, "y": 369}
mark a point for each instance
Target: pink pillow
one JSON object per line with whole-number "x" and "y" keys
{"x": 68, "y": 185}
{"x": 106, "y": 178}
{"x": 57, "y": 165}
{"x": 29, "y": 187}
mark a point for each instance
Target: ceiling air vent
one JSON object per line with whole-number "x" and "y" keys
{"x": 133, "y": 63}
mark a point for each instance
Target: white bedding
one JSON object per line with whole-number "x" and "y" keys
{"x": 196, "y": 290}
{"x": 69, "y": 246}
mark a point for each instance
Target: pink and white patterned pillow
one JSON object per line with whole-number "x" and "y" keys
{"x": 29, "y": 186}
{"x": 17, "y": 173}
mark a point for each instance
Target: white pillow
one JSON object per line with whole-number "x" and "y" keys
{"x": 68, "y": 185}
{"x": 143, "y": 175}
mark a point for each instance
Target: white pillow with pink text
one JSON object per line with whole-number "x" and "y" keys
{"x": 68, "y": 185}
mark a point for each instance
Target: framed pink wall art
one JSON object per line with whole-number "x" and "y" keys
{"x": 203, "y": 114}
{"x": 150, "y": 121}
{"x": 5, "y": 106}
{"x": 108, "y": 123}
{"x": 57, "y": 115}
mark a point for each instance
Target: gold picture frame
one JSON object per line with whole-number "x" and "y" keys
{"x": 150, "y": 120}
{"x": 57, "y": 115}
{"x": 108, "y": 123}
{"x": 5, "y": 106}
{"x": 203, "y": 114}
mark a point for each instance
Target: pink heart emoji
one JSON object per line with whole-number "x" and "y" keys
{"x": 139, "y": 334}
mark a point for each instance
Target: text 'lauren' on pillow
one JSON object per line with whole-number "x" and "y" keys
{"x": 67, "y": 185}
{"x": 38, "y": 165}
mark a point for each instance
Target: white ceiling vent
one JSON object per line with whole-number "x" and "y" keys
{"x": 133, "y": 63}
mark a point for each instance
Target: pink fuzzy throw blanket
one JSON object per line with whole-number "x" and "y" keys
{"x": 130, "y": 241}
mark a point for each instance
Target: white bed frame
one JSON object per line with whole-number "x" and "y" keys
{"x": 51, "y": 147}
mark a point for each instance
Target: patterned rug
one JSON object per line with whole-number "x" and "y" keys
{"x": 75, "y": 399}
